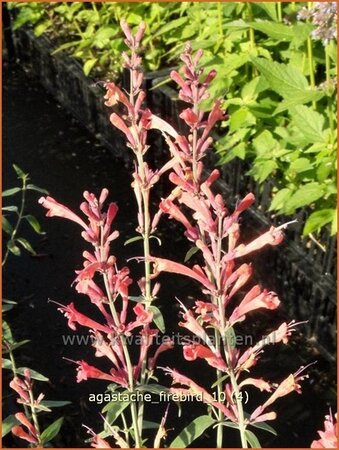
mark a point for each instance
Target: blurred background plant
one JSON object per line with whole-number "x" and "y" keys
{"x": 22, "y": 378}
{"x": 276, "y": 65}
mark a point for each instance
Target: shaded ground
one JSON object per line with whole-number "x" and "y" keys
{"x": 61, "y": 157}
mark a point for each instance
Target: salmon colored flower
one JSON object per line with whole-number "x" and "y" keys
{"x": 195, "y": 389}
{"x": 254, "y": 299}
{"x": 328, "y": 437}
{"x": 85, "y": 371}
{"x": 19, "y": 432}
{"x": 165, "y": 265}
{"x": 75, "y": 317}
{"x": 194, "y": 351}
{"x": 59, "y": 210}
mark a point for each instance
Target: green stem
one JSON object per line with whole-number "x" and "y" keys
{"x": 279, "y": 11}
{"x": 310, "y": 60}
{"x": 20, "y": 215}
{"x": 220, "y": 428}
{"x": 35, "y": 418}
{"x": 328, "y": 81}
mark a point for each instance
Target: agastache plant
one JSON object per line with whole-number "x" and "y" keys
{"x": 110, "y": 295}
{"x": 214, "y": 231}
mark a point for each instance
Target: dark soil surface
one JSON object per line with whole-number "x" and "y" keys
{"x": 60, "y": 156}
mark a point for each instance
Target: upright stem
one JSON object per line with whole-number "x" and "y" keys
{"x": 35, "y": 417}
{"x": 126, "y": 353}
{"x": 279, "y": 11}
{"x": 328, "y": 81}
{"x": 310, "y": 60}
{"x": 21, "y": 212}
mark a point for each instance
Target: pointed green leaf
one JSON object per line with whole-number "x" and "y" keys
{"x": 158, "y": 318}
{"x": 280, "y": 199}
{"x": 26, "y": 245}
{"x": 55, "y": 403}
{"x": 264, "y": 426}
{"x": 6, "y": 226}
{"x": 133, "y": 239}
{"x": 195, "y": 429}
{"x": 7, "y": 332}
{"x": 19, "y": 172}
{"x": 16, "y": 345}
{"x": 309, "y": 122}
{"x": 10, "y": 208}
{"x": 13, "y": 248}
{"x": 9, "y": 192}
{"x": 32, "y": 187}
{"x": 34, "y": 223}
{"x": 50, "y": 432}
{"x": 318, "y": 219}
{"x": 285, "y": 79}
{"x": 88, "y": 66}
{"x": 305, "y": 195}
{"x": 192, "y": 251}
{"x": 8, "y": 424}
{"x": 34, "y": 374}
{"x": 252, "y": 439}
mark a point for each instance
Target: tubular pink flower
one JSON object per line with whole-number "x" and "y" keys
{"x": 59, "y": 210}
{"x": 194, "y": 351}
{"x": 165, "y": 265}
{"x": 255, "y": 299}
{"x": 120, "y": 124}
{"x": 258, "y": 383}
{"x": 328, "y": 437}
{"x": 168, "y": 207}
{"x": 85, "y": 371}
{"x": 19, "y": 386}
{"x": 195, "y": 389}
{"x": 24, "y": 421}
{"x": 75, "y": 316}
{"x": 19, "y": 432}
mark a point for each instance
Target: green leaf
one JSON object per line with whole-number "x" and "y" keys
{"x": 8, "y": 424}
{"x": 50, "y": 432}
{"x": 318, "y": 219}
{"x": 149, "y": 425}
{"x": 280, "y": 199}
{"x": 262, "y": 169}
{"x": 241, "y": 119}
{"x": 55, "y": 403}
{"x": 285, "y": 79}
{"x": 277, "y": 31}
{"x": 172, "y": 25}
{"x": 34, "y": 223}
{"x": 26, "y": 245}
{"x": 252, "y": 439}
{"x": 195, "y": 429}
{"x": 158, "y": 318}
{"x": 133, "y": 239}
{"x": 264, "y": 426}
{"x": 16, "y": 345}
{"x": 19, "y": 172}
{"x": 34, "y": 374}
{"x": 7, "y": 332}
{"x": 88, "y": 65}
{"x": 269, "y": 8}
{"x": 6, "y": 226}
{"x": 298, "y": 99}
{"x": 32, "y": 187}
{"x": 156, "y": 238}
{"x": 305, "y": 195}
{"x": 300, "y": 165}
{"x": 10, "y": 192}
{"x": 334, "y": 225}
{"x": 309, "y": 122}
{"x": 192, "y": 251}
{"x": 13, "y": 248}
{"x": 10, "y": 208}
